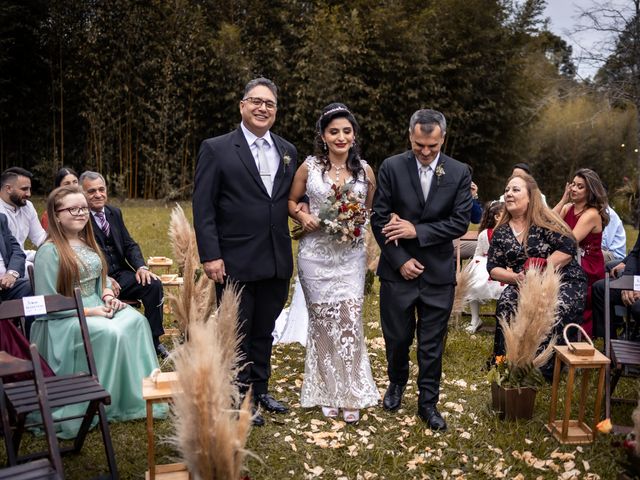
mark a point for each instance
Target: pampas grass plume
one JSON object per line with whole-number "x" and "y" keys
{"x": 463, "y": 280}
{"x": 210, "y": 433}
{"x": 182, "y": 237}
{"x": 460, "y": 300}
{"x": 534, "y": 319}
{"x": 197, "y": 296}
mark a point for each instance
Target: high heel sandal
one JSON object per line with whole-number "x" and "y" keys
{"x": 330, "y": 412}
{"x": 351, "y": 416}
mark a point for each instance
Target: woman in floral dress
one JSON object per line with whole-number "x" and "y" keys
{"x": 529, "y": 230}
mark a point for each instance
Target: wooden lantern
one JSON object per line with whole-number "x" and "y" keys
{"x": 568, "y": 431}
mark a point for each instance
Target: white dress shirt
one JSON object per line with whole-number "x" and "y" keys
{"x": 270, "y": 151}
{"x": 24, "y": 223}
{"x": 432, "y": 166}
{"x": 614, "y": 238}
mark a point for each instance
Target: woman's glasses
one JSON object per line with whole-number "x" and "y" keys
{"x": 75, "y": 211}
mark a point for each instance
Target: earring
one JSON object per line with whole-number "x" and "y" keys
{"x": 353, "y": 144}
{"x": 324, "y": 146}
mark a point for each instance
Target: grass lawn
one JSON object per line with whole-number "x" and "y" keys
{"x": 303, "y": 444}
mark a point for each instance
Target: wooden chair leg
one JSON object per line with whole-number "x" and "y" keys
{"x": 615, "y": 378}
{"x": 85, "y": 426}
{"x": 6, "y": 430}
{"x": 18, "y": 431}
{"x": 108, "y": 445}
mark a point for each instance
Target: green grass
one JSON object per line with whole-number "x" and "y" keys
{"x": 383, "y": 445}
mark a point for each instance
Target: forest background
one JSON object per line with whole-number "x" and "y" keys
{"x": 130, "y": 88}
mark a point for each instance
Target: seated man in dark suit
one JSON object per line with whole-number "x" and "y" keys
{"x": 132, "y": 278}
{"x": 13, "y": 283}
{"x": 629, "y": 266}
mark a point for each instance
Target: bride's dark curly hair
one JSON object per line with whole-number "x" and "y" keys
{"x": 329, "y": 113}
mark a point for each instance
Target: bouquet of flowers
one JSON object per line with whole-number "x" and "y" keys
{"x": 344, "y": 216}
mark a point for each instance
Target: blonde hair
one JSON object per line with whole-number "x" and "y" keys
{"x": 537, "y": 213}
{"x": 68, "y": 273}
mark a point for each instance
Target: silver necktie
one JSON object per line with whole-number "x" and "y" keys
{"x": 426, "y": 175}
{"x": 263, "y": 165}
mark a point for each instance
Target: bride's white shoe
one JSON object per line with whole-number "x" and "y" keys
{"x": 351, "y": 416}
{"x": 330, "y": 412}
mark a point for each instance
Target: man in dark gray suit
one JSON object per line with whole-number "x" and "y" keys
{"x": 13, "y": 283}
{"x": 240, "y": 215}
{"x": 422, "y": 203}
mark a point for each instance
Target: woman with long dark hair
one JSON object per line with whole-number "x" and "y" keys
{"x": 584, "y": 208}
{"x": 66, "y": 176}
{"x": 332, "y": 267}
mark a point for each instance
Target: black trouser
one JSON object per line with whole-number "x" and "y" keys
{"x": 260, "y": 304}
{"x": 615, "y": 298}
{"x": 151, "y": 296}
{"x": 413, "y": 306}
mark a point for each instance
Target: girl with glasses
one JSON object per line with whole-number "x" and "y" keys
{"x": 120, "y": 336}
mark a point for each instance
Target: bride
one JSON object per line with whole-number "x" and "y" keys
{"x": 337, "y": 372}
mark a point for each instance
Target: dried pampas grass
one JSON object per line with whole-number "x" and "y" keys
{"x": 197, "y": 297}
{"x": 460, "y": 299}
{"x": 183, "y": 238}
{"x": 534, "y": 319}
{"x": 210, "y": 433}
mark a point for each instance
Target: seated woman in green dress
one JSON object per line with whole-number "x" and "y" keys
{"x": 120, "y": 336}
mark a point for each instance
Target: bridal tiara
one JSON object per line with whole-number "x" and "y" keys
{"x": 337, "y": 109}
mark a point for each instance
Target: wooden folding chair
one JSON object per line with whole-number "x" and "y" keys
{"x": 470, "y": 236}
{"x": 624, "y": 354}
{"x": 62, "y": 390}
{"x": 50, "y": 467}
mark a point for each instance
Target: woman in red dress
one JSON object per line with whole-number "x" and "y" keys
{"x": 14, "y": 343}
{"x": 584, "y": 207}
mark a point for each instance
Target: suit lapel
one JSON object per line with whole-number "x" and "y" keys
{"x": 412, "y": 170}
{"x": 246, "y": 157}
{"x": 435, "y": 181}
{"x": 114, "y": 229}
{"x": 278, "y": 180}
{"x": 4, "y": 251}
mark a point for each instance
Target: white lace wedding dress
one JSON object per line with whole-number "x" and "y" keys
{"x": 337, "y": 371}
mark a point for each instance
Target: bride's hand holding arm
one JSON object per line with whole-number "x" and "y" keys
{"x": 298, "y": 190}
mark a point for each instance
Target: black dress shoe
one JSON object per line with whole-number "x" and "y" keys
{"x": 270, "y": 404}
{"x": 162, "y": 351}
{"x": 393, "y": 397}
{"x": 431, "y": 416}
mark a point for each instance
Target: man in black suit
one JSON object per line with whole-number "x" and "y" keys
{"x": 130, "y": 276}
{"x": 422, "y": 203}
{"x": 241, "y": 188}
{"x": 629, "y": 298}
{"x": 13, "y": 284}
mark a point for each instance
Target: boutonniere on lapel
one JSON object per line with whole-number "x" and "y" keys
{"x": 439, "y": 173}
{"x": 286, "y": 159}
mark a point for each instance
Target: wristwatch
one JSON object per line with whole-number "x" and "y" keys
{"x": 143, "y": 267}
{"x": 13, "y": 273}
